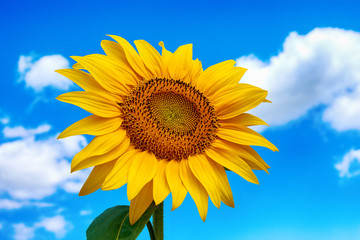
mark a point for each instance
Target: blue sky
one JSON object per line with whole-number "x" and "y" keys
{"x": 307, "y": 55}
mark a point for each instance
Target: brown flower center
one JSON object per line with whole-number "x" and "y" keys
{"x": 169, "y": 118}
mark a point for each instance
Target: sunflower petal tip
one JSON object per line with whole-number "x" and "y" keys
{"x": 174, "y": 207}
{"x": 83, "y": 193}
{"x": 74, "y": 168}
{"x": 76, "y": 58}
{"x": 157, "y": 202}
{"x": 105, "y": 186}
{"x": 132, "y": 220}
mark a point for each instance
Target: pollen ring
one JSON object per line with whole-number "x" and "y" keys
{"x": 169, "y": 118}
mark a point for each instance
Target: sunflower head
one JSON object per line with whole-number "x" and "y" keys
{"x": 164, "y": 125}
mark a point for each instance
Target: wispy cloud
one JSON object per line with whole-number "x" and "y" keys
{"x": 57, "y": 225}
{"x": 321, "y": 67}
{"x": 85, "y": 212}
{"x": 5, "y": 120}
{"x": 350, "y": 164}
{"x": 39, "y": 74}
{"x": 9, "y": 204}
{"x": 22, "y": 232}
{"x": 20, "y": 131}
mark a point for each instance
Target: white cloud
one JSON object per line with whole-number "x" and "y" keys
{"x": 5, "y": 120}
{"x": 40, "y": 74}
{"x": 72, "y": 187}
{"x": 85, "y": 212}
{"x": 25, "y": 63}
{"x": 23, "y": 232}
{"x": 57, "y": 225}
{"x": 9, "y": 204}
{"x": 20, "y": 131}
{"x": 321, "y": 67}
{"x": 34, "y": 169}
{"x": 350, "y": 164}
{"x": 344, "y": 113}
{"x": 38, "y": 204}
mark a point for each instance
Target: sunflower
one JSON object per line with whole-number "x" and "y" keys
{"x": 163, "y": 125}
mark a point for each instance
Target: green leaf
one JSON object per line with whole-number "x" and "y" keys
{"x": 113, "y": 224}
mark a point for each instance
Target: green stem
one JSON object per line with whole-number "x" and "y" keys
{"x": 151, "y": 230}
{"x": 158, "y": 222}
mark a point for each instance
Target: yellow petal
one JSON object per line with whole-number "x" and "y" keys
{"x": 142, "y": 171}
{"x": 232, "y": 92}
{"x": 225, "y": 77}
{"x": 150, "y": 56}
{"x": 208, "y": 77}
{"x": 119, "y": 175}
{"x": 194, "y": 72}
{"x": 92, "y": 102}
{"x": 203, "y": 171}
{"x": 100, "y": 145}
{"x": 166, "y": 56}
{"x": 161, "y": 186}
{"x": 96, "y": 178}
{"x": 132, "y": 56}
{"x": 78, "y": 66}
{"x": 141, "y": 203}
{"x": 180, "y": 62}
{"x": 106, "y": 73}
{"x": 165, "y": 52}
{"x": 244, "y": 119}
{"x": 92, "y": 125}
{"x": 177, "y": 188}
{"x": 114, "y": 50}
{"x": 241, "y": 71}
{"x": 87, "y": 82}
{"x": 81, "y": 78}
{"x": 233, "y": 104}
{"x": 116, "y": 55}
{"x": 232, "y": 162}
{"x": 121, "y": 72}
{"x": 249, "y": 155}
{"x": 195, "y": 188}
{"x": 226, "y": 193}
{"x": 100, "y": 159}
{"x": 245, "y": 137}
